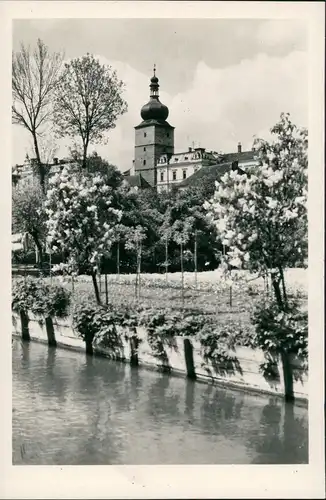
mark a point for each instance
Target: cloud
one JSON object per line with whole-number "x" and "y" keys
{"x": 220, "y": 107}
{"x": 284, "y": 31}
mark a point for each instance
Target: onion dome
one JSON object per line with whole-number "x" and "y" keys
{"x": 154, "y": 109}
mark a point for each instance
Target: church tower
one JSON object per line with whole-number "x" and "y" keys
{"x": 154, "y": 136}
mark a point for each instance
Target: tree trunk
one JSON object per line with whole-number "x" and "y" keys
{"x": 189, "y": 358}
{"x": 24, "y": 320}
{"x": 286, "y": 361}
{"x": 277, "y": 292}
{"x": 118, "y": 260}
{"x": 137, "y": 284}
{"x": 89, "y": 347}
{"x": 96, "y": 290}
{"x": 50, "y": 331}
{"x": 39, "y": 248}
{"x": 139, "y": 268}
{"x": 166, "y": 258}
{"x": 285, "y": 297}
{"x": 182, "y": 276}
{"x": 287, "y": 376}
{"x": 106, "y": 289}
{"x": 195, "y": 259}
{"x": 85, "y": 147}
{"x": 134, "y": 342}
{"x": 40, "y": 166}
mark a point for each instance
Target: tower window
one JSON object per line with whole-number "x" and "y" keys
{"x": 168, "y": 134}
{"x": 174, "y": 175}
{"x": 144, "y": 162}
{"x": 145, "y": 135}
{"x": 184, "y": 174}
{"x": 144, "y": 149}
{"x": 162, "y": 176}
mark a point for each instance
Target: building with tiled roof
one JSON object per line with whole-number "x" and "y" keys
{"x": 156, "y": 164}
{"x": 209, "y": 174}
{"x": 136, "y": 181}
{"x": 155, "y": 158}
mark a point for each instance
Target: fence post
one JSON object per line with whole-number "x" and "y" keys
{"x": 287, "y": 376}
{"x": 134, "y": 342}
{"x": 24, "y": 320}
{"x": 189, "y": 358}
{"x": 50, "y": 331}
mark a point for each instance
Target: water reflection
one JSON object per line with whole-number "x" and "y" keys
{"x": 69, "y": 408}
{"x": 282, "y": 434}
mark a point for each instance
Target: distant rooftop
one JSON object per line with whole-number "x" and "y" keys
{"x": 210, "y": 173}
{"x": 136, "y": 180}
{"x": 240, "y": 156}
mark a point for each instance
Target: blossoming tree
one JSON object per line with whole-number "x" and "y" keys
{"x": 261, "y": 218}
{"x": 28, "y": 216}
{"x": 81, "y": 221}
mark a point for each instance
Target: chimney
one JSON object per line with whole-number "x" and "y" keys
{"x": 239, "y": 147}
{"x": 189, "y": 150}
{"x": 55, "y": 161}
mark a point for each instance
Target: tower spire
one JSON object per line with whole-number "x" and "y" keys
{"x": 154, "y": 85}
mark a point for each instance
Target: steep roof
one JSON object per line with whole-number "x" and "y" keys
{"x": 161, "y": 123}
{"x": 136, "y": 180}
{"x": 240, "y": 157}
{"x": 210, "y": 173}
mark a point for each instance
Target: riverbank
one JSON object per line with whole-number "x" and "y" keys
{"x": 245, "y": 373}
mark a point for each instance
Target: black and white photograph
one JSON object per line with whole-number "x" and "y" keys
{"x": 159, "y": 238}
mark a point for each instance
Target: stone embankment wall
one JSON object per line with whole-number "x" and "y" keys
{"x": 248, "y": 377}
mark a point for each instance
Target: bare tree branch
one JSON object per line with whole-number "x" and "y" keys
{"x": 88, "y": 101}
{"x": 35, "y": 75}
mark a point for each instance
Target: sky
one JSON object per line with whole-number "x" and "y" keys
{"x": 224, "y": 80}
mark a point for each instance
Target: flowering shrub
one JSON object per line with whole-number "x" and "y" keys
{"x": 83, "y": 321}
{"x": 261, "y": 215}
{"x": 22, "y": 294}
{"x": 97, "y": 325}
{"x": 217, "y": 344}
{"x": 81, "y": 221}
{"x": 261, "y": 219}
{"x": 39, "y": 298}
{"x": 281, "y": 331}
{"x": 189, "y": 324}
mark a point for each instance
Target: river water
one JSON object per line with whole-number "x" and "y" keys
{"x": 69, "y": 409}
